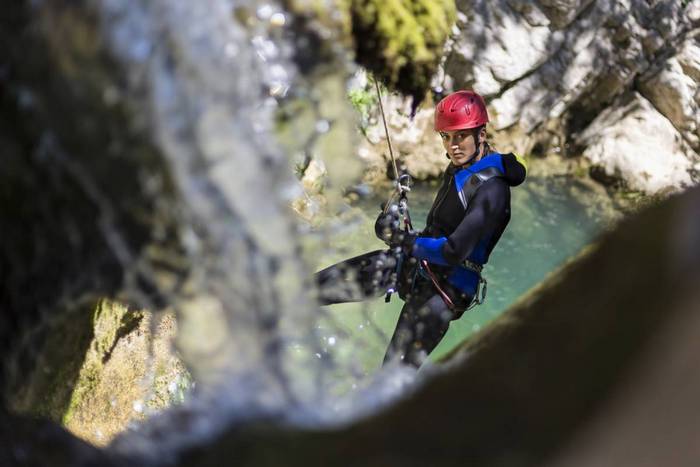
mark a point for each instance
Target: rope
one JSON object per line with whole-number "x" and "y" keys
{"x": 401, "y": 189}
{"x": 386, "y": 131}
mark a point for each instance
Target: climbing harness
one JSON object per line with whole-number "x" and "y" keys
{"x": 445, "y": 298}
{"x": 481, "y": 285}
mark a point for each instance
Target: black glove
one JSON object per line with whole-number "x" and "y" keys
{"x": 387, "y": 224}
{"x": 388, "y": 229}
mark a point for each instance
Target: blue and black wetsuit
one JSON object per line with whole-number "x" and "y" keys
{"x": 470, "y": 212}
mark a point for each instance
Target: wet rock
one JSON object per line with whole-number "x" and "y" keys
{"x": 77, "y": 206}
{"x": 136, "y": 171}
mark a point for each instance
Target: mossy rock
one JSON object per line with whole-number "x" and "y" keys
{"x": 102, "y": 367}
{"x": 46, "y": 391}
{"x": 402, "y": 42}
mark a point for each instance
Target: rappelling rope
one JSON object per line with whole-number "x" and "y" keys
{"x": 401, "y": 188}
{"x": 386, "y": 131}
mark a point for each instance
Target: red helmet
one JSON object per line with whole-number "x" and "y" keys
{"x": 460, "y": 110}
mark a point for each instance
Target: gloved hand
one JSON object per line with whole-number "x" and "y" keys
{"x": 388, "y": 223}
{"x": 388, "y": 229}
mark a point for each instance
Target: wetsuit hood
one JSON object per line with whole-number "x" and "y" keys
{"x": 514, "y": 169}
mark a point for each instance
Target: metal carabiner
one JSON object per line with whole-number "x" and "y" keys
{"x": 404, "y": 183}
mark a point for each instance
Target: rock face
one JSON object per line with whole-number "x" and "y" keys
{"x": 673, "y": 87}
{"x": 549, "y": 69}
{"x": 553, "y": 72}
{"x": 635, "y": 142}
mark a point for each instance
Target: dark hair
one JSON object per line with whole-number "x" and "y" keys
{"x": 487, "y": 146}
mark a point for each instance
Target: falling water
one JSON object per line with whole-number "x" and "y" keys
{"x": 209, "y": 80}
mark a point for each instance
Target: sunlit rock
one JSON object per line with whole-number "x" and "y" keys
{"x": 128, "y": 367}
{"x": 497, "y": 44}
{"x": 674, "y": 90}
{"x": 580, "y": 56}
{"x": 633, "y": 141}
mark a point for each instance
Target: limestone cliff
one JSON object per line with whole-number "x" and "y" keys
{"x": 614, "y": 81}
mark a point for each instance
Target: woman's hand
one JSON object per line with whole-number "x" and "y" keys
{"x": 388, "y": 223}
{"x": 387, "y": 227}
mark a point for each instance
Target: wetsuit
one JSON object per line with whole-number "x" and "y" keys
{"x": 467, "y": 218}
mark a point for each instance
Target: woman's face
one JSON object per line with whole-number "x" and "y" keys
{"x": 460, "y": 144}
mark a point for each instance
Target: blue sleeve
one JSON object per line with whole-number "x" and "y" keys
{"x": 429, "y": 249}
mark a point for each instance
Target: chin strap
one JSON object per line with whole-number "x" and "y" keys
{"x": 477, "y": 147}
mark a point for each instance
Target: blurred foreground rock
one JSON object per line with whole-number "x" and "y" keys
{"x": 129, "y": 370}
{"x": 592, "y": 365}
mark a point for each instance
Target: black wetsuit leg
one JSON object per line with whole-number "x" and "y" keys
{"x": 356, "y": 279}
{"x": 423, "y": 322}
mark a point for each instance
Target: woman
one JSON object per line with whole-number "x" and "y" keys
{"x": 440, "y": 266}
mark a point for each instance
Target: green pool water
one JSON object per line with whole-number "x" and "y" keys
{"x": 552, "y": 220}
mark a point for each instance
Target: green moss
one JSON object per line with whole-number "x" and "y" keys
{"x": 365, "y": 102}
{"x": 581, "y": 172}
{"x": 110, "y": 321}
{"x": 402, "y": 41}
{"x": 85, "y": 385}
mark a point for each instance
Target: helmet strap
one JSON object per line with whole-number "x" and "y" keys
{"x": 477, "y": 147}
